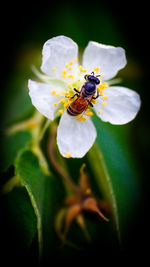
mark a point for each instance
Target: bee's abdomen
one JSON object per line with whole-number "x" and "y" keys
{"x": 77, "y": 106}
{"x": 72, "y": 112}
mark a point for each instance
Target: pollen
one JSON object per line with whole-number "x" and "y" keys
{"x": 64, "y": 74}
{"x": 65, "y": 102}
{"x": 53, "y": 69}
{"x": 70, "y": 100}
{"x": 100, "y": 91}
{"x": 63, "y": 93}
{"x": 81, "y": 118}
{"x": 66, "y": 65}
{"x": 94, "y": 101}
{"x": 68, "y": 85}
{"x": 96, "y": 69}
{"x": 99, "y": 112}
{"x": 55, "y": 104}
{"x": 62, "y": 101}
{"x": 53, "y": 92}
{"x": 88, "y": 113}
{"x": 70, "y": 68}
{"x": 105, "y": 97}
{"x": 67, "y": 94}
{"x": 60, "y": 111}
{"x": 68, "y": 155}
{"x": 102, "y": 86}
{"x": 82, "y": 69}
{"x": 103, "y": 104}
{"x": 66, "y": 105}
{"x": 71, "y": 62}
{"x": 57, "y": 94}
{"x": 71, "y": 76}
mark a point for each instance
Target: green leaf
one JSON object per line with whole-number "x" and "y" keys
{"x": 11, "y": 145}
{"x": 114, "y": 168}
{"x": 44, "y": 192}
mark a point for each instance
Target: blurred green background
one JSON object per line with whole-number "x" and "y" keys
{"x": 25, "y": 28}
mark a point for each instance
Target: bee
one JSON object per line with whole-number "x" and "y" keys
{"x": 84, "y": 96}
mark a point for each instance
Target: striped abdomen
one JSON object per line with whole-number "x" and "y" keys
{"x": 77, "y": 107}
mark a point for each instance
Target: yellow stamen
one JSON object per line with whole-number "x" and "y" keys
{"x": 69, "y": 86}
{"x": 94, "y": 101}
{"x": 103, "y": 104}
{"x": 88, "y": 113}
{"x": 76, "y": 59}
{"x": 67, "y": 94}
{"x": 60, "y": 111}
{"x": 57, "y": 94}
{"x": 66, "y": 105}
{"x": 100, "y": 92}
{"x": 102, "y": 86}
{"x": 99, "y": 112}
{"x": 55, "y": 104}
{"x": 68, "y": 155}
{"x": 70, "y": 100}
{"x": 62, "y": 101}
{"x": 69, "y": 68}
{"x": 71, "y": 62}
{"x": 62, "y": 93}
{"x": 64, "y": 74}
{"x": 96, "y": 69}
{"x": 65, "y": 102}
{"x": 105, "y": 97}
{"x": 53, "y": 92}
{"x": 81, "y": 118}
{"x": 66, "y": 65}
{"x": 71, "y": 76}
{"x": 53, "y": 69}
{"x": 82, "y": 69}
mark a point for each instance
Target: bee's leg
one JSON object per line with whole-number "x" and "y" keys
{"x": 76, "y": 90}
{"x": 77, "y": 93}
{"x": 96, "y": 96}
{"x": 90, "y": 104}
{"x": 74, "y": 96}
{"x": 71, "y": 97}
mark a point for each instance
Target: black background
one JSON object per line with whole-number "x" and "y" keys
{"x": 20, "y": 23}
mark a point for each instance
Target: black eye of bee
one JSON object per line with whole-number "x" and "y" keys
{"x": 92, "y": 78}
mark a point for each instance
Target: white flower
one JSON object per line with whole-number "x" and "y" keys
{"x": 51, "y": 97}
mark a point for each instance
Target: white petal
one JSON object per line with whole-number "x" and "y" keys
{"x": 121, "y": 106}
{"x": 75, "y": 137}
{"x": 56, "y": 53}
{"x": 42, "y": 98}
{"x": 110, "y": 59}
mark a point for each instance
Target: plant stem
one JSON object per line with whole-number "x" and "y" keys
{"x": 45, "y": 127}
{"x": 56, "y": 165}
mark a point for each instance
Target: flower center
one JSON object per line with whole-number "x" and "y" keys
{"x": 74, "y": 78}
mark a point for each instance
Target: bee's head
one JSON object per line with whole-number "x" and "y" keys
{"x": 92, "y": 78}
